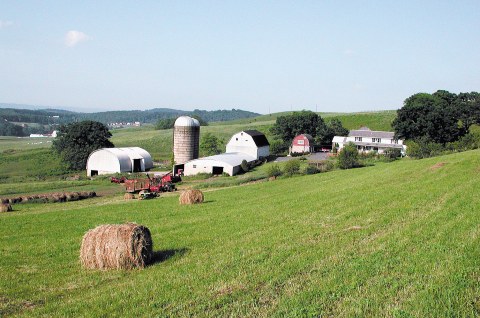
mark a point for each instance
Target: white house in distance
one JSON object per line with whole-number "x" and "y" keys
{"x": 369, "y": 140}
{"x": 116, "y": 160}
{"x": 248, "y": 145}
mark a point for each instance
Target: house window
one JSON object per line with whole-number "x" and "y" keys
{"x": 394, "y": 141}
{"x": 236, "y": 139}
{"x": 301, "y": 142}
{"x": 194, "y": 166}
{"x": 376, "y": 140}
{"x": 358, "y": 138}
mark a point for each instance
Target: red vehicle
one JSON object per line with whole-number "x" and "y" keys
{"x": 153, "y": 185}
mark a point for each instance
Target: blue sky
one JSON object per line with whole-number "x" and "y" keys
{"x": 255, "y": 55}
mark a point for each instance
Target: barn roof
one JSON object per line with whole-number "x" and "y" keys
{"x": 309, "y": 137}
{"x": 258, "y": 137}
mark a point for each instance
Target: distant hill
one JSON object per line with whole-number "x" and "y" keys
{"x": 18, "y": 121}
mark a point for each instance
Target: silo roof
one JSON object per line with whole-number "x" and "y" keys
{"x": 186, "y": 121}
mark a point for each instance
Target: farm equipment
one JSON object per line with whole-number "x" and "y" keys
{"x": 152, "y": 186}
{"x": 118, "y": 180}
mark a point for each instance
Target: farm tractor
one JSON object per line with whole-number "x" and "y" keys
{"x": 152, "y": 186}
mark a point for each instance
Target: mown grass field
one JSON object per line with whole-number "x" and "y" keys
{"x": 392, "y": 240}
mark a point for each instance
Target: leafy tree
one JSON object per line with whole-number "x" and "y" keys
{"x": 304, "y": 122}
{"x": 278, "y": 147}
{"x": 440, "y": 117}
{"x": 325, "y": 133}
{"x": 348, "y": 157}
{"x": 210, "y": 145}
{"x": 75, "y": 142}
{"x": 166, "y": 123}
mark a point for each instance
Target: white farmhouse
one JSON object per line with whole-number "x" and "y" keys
{"x": 117, "y": 160}
{"x": 248, "y": 145}
{"x": 368, "y": 140}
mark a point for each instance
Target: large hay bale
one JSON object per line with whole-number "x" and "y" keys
{"x": 191, "y": 197}
{"x": 128, "y": 196}
{"x": 5, "y": 207}
{"x": 116, "y": 246}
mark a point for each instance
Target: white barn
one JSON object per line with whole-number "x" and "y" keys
{"x": 251, "y": 142}
{"x": 248, "y": 145}
{"x": 117, "y": 160}
{"x": 228, "y": 163}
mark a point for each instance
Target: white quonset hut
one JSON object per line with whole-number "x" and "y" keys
{"x": 248, "y": 145}
{"x": 116, "y": 160}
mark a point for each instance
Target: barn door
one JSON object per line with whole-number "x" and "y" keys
{"x": 137, "y": 165}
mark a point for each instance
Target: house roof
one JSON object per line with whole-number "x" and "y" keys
{"x": 258, "y": 137}
{"x": 365, "y": 132}
{"x": 231, "y": 158}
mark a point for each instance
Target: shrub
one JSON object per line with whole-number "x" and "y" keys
{"x": 244, "y": 165}
{"x": 291, "y": 167}
{"x": 348, "y": 157}
{"x": 274, "y": 171}
{"x": 423, "y": 149}
{"x": 392, "y": 154}
{"x": 311, "y": 169}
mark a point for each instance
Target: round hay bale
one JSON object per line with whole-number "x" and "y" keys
{"x": 116, "y": 246}
{"x": 3, "y": 201}
{"x": 128, "y": 196}
{"x": 5, "y": 207}
{"x": 191, "y": 197}
{"x": 92, "y": 194}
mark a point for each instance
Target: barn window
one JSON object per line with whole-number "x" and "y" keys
{"x": 236, "y": 139}
{"x": 301, "y": 142}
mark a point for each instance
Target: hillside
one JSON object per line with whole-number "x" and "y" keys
{"x": 22, "y": 122}
{"x": 394, "y": 240}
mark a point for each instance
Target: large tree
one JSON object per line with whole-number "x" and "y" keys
{"x": 436, "y": 117}
{"x": 304, "y": 122}
{"x": 210, "y": 145}
{"x": 75, "y": 142}
{"x": 332, "y": 128}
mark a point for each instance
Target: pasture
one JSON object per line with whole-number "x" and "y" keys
{"x": 393, "y": 240}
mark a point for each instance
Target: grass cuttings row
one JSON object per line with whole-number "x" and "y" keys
{"x": 395, "y": 240}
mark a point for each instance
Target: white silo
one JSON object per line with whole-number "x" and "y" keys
{"x": 186, "y": 139}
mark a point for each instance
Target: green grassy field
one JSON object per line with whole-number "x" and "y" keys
{"x": 393, "y": 240}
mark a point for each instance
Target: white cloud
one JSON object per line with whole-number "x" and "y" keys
{"x": 5, "y": 24}
{"x": 73, "y": 37}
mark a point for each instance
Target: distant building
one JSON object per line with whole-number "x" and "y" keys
{"x": 52, "y": 134}
{"x": 302, "y": 143}
{"x": 248, "y": 145}
{"x": 117, "y": 160}
{"x": 368, "y": 140}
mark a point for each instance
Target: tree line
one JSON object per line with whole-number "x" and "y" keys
{"x": 438, "y": 122}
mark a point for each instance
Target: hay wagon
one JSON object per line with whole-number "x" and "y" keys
{"x": 151, "y": 186}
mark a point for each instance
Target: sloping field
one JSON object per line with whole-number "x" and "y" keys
{"x": 394, "y": 240}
